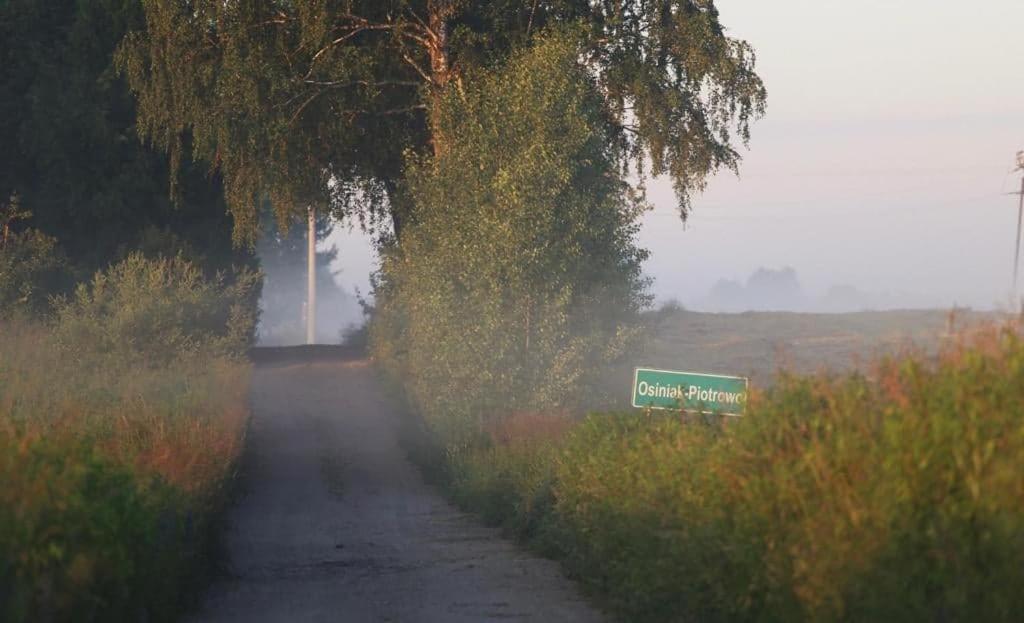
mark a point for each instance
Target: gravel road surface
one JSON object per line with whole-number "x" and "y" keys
{"x": 334, "y": 523}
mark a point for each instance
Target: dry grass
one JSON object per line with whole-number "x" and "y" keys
{"x": 527, "y": 428}
{"x": 760, "y": 344}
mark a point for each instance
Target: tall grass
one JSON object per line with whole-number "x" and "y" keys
{"x": 179, "y": 421}
{"x": 113, "y": 459}
{"x": 893, "y": 496}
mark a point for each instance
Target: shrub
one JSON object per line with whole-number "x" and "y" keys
{"x": 109, "y": 477}
{"x": 155, "y": 310}
{"x": 509, "y": 479}
{"x": 898, "y": 497}
{"x": 517, "y": 276}
{"x": 120, "y": 424}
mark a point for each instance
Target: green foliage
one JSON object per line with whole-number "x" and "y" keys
{"x": 67, "y": 125}
{"x": 899, "y": 498}
{"x": 319, "y": 102}
{"x": 518, "y": 277}
{"x": 32, "y": 269}
{"x": 159, "y": 310}
{"x": 110, "y": 474}
{"x": 509, "y": 479}
{"x": 81, "y": 538}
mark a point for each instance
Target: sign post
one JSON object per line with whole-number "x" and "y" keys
{"x": 690, "y": 392}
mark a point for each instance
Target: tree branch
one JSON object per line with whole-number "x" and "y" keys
{"x": 363, "y": 83}
{"x": 408, "y": 59}
{"x": 342, "y": 39}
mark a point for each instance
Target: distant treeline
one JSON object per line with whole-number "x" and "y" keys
{"x": 768, "y": 289}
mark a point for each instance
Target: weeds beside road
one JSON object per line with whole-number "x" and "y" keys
{"x": 120, "y": 423}
{"x": 835, "y": 499}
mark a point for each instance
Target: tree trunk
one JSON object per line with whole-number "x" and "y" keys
{"x": 440, "y": 66}
{"x": 311, "y": 278}
{"x": 439, "y": 12}
{"x": 399, "y": 208}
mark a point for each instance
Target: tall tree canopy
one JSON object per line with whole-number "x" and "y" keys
{"x": 70, "y": 151}
{"x": 321, "y": 101}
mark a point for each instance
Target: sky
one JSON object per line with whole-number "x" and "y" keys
{"x": 883, "y": 163}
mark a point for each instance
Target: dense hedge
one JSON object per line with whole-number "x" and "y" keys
{"x": 82, "y": 538}
{"x": 894, "y": 498}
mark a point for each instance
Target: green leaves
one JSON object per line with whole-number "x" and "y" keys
{"x": 518, "y": 277}
{"x": 156, "y": 311}
{"x": 269, "y": 95}
{"x": 32, "y": 268}
{"x": 836, "y": 498}
{"x": 111, "y": 470}
{"x": 67, "y": 124}
{"x": 321, "y": 102}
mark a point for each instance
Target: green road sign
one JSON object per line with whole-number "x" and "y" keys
{"x": 689, "y": 391}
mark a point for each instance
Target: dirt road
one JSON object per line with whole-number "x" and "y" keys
{"x": 334, "y": 524}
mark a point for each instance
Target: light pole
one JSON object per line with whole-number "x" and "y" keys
{"x": 311, "y": 278}
{"x": 1020, "y": 217}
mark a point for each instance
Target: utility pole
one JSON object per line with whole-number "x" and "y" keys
{"x": 1020, "y": 217}
{"x": 311, "y": 278}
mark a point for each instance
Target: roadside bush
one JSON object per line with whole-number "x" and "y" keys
{"x": 81, "y": 538}
{"x": 111, "y": 472}
{"x": 517, "y": 276}
{"x": 898, "y": 497}
{"x": 155, "y": 310}
{"x": 508, "y": 479}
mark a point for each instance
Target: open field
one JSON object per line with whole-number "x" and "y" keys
{"x": 759, "y": 344}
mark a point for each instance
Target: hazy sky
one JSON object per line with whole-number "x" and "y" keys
{"x": 882, "y": 163}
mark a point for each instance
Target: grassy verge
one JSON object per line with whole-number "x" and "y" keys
{"x": 898, "y": 497}
{"x": 109, "y": 478}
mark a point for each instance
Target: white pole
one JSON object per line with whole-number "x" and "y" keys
{"x": 1016, "y": 253}
{"x": 311, "y": 279}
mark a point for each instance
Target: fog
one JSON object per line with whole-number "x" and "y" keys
{"x": 882, "y": 163}
{"x": 283, "y": 301}
{"x": 780, "y": 289}
{"x": 879, "y": 174}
